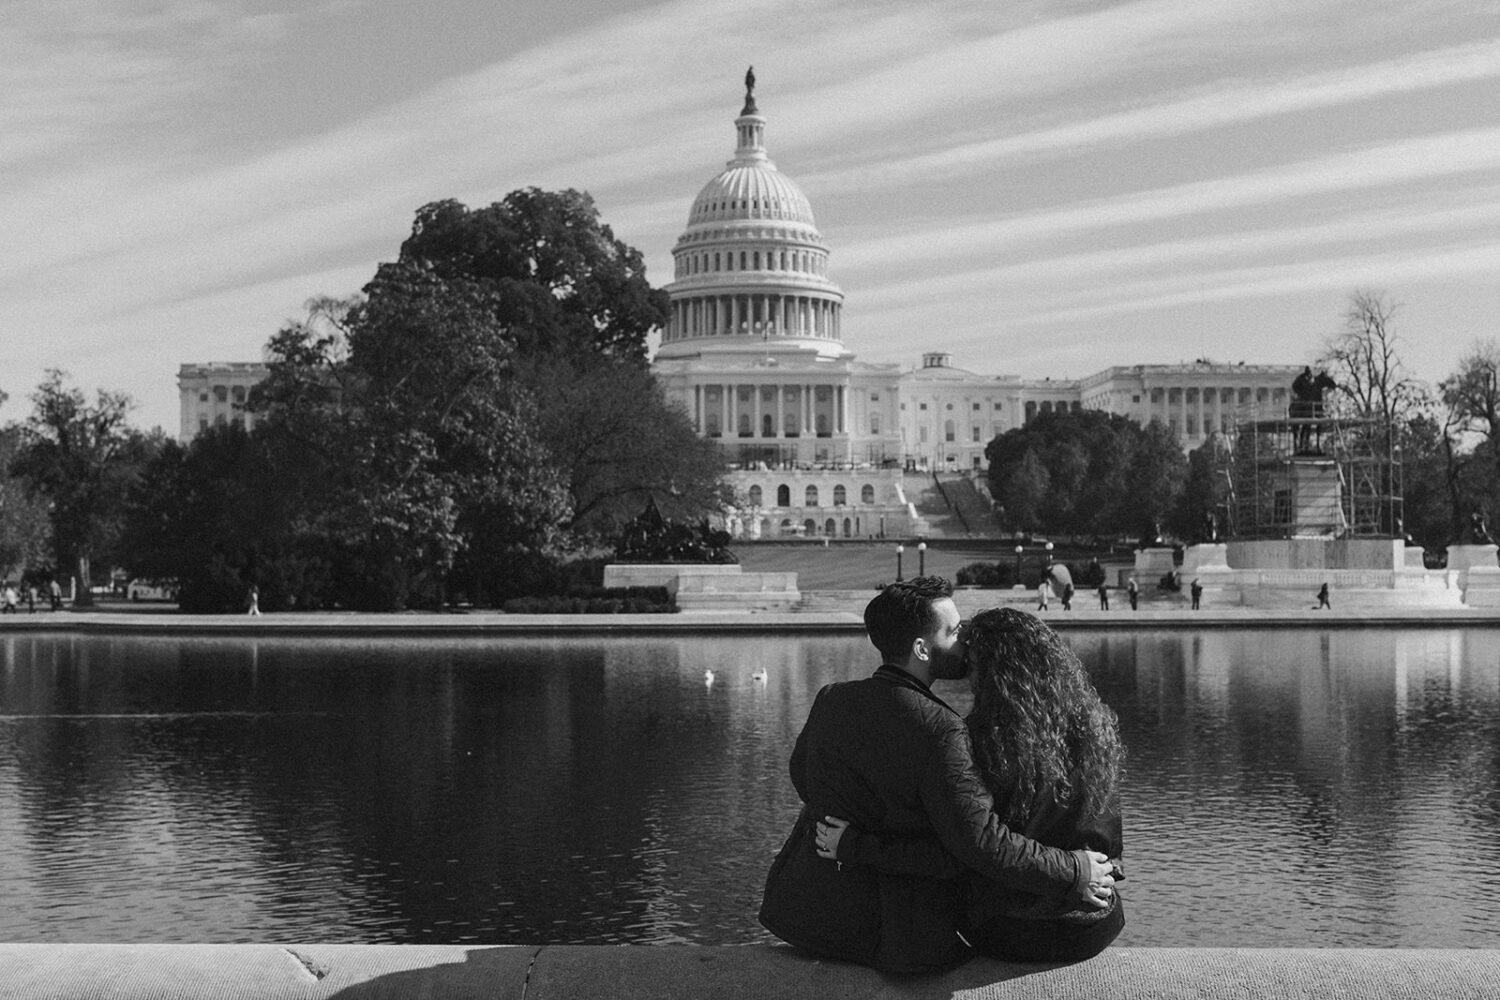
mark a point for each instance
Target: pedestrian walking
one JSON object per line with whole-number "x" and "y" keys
{"x": 252, "y": 601}
{"x": 1041, "y": 595}
{"x": 1197, "y": 592}
{"x": 1323, "y": 598}
{"x": 31, "y": 598}
{"x": 1134, "y": 590}
{"x": 8, "y": 599}
{"x": 1103, "y": 596}
{"x": 1067, "y": 597}
{"x": 54, "y": 594}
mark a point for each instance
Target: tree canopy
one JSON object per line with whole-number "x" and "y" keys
{"x": 482, "y": 408}
{"x": 82, "y": 458}
{"x": 1086, "y": 473}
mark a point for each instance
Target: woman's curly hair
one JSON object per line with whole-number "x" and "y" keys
{"x": 1037, "y": 722}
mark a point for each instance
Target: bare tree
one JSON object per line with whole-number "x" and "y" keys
{"x": 1363, "y": 360}
{"x": 1472, "y": 394}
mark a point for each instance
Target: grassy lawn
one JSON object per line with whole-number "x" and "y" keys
{"x": 858, "y": 565}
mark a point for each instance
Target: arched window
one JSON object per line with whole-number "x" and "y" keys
{"x": 767, "y": 425}
{"x": 783, "y": 495}
{"x": 830, "y": 528}
{"x": 755, "y": 496}
{"x": 744, "y": 425}
{"x": 839, "y": 496}
{"x": 867, "y": 493}
{"x": 810, "y": 526}
{"x": 812, "y": 496}
{"x": 847, "y": 527}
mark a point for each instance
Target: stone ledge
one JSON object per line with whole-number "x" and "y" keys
{"x": 545, "y": 972}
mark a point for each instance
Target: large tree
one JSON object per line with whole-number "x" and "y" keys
{"x": 81, "y": 457}
{"x": 1086, "y": 472}
{"x": 562, "y": 282}
{"x": 23, "y": 516}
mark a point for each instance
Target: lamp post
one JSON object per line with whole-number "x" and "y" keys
{"x": 1019, "y": 550}
{"x": 921, "y": 558}
{"x": 899, "y": 549}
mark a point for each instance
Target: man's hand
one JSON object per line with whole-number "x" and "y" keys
{"x": 1101, "y": 883}
{"x": 830, "y": 830}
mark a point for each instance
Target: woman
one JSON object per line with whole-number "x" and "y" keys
{"x": 1050, "y": 752}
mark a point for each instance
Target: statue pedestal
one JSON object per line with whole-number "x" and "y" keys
{"x": 1478, "y": 573}
{"x": 1153, "y": 563}
{"x": 1208, "y": 555}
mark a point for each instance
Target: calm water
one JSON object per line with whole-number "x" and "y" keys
{"x": 1301, "y": 788}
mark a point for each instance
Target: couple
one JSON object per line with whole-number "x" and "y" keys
{"x": 924, "y": 838}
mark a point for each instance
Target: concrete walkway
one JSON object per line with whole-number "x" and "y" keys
{"x": 1083, "y": 616}
{"x": 384, "y": 972}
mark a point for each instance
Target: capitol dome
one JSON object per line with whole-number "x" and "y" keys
{"x": 751, "y": 267}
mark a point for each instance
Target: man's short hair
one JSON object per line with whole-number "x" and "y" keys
{"x": 902, "y": 613}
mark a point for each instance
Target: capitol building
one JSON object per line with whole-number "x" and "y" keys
{"x": 818, "y": 442}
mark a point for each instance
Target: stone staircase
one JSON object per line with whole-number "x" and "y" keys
{"x": 951, "y": 505}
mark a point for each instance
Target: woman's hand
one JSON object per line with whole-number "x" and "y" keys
{"x": 1101, "y": 882}
{"x": 830, "y": 830}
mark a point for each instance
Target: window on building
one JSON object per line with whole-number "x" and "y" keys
{"x": 810, "y": 527}
{"x": 811, "y": 496}
{"x": 874, "y": 423}
{"x": 712, "y": 425}
{"x": 783, "y": 496}
{"x": 202, "y": 424}
{"x": 745, "y": 425}
{"x": 874, "y": 397}
{"x": 202, "y": 397}
{"x": 921, "y": 406}
{"x": 830, "y": 528}
{"x": 974, "y": 433}
{"x": 239, "y": 394}
{"x": 755, "y": 496}
{"x": 997, "y": 407}
{"x": 839, "y": 496}
{"x": 922, "y": 434}
{"x": 948, "y": 431}
{"x": 975, "y": 406}
{"x": 867, "y": 493}
{"x": 950, "y": 406}
{"x": 221, "y": 393}
{"x": 767, "y": 425}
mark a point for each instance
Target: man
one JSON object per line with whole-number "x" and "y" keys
{"x": 1103, "y": 596}
{"x": 1197, "y": 591}
{"x": 888, "y": 755}
{"x": 1134, "y": 590}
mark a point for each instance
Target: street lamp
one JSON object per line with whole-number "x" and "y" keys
{"x": 1019, "y": 550}
{"x": 899, "y": 549}
{"x": 921, "y": 558}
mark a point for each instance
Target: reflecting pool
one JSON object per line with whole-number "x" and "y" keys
{"x": 1295, "y": 787}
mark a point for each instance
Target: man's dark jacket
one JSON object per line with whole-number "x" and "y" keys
{"x": 888, "y": 755}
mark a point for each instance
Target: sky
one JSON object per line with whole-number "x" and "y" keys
{"x": 1043, "y": 189}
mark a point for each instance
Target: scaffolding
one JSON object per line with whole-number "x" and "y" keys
{"x": 1324, "y": 475}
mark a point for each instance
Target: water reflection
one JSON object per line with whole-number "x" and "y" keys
{"x": 1300, "y": 787}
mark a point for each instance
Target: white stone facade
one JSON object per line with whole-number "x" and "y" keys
{"x": 214, "y": 394}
